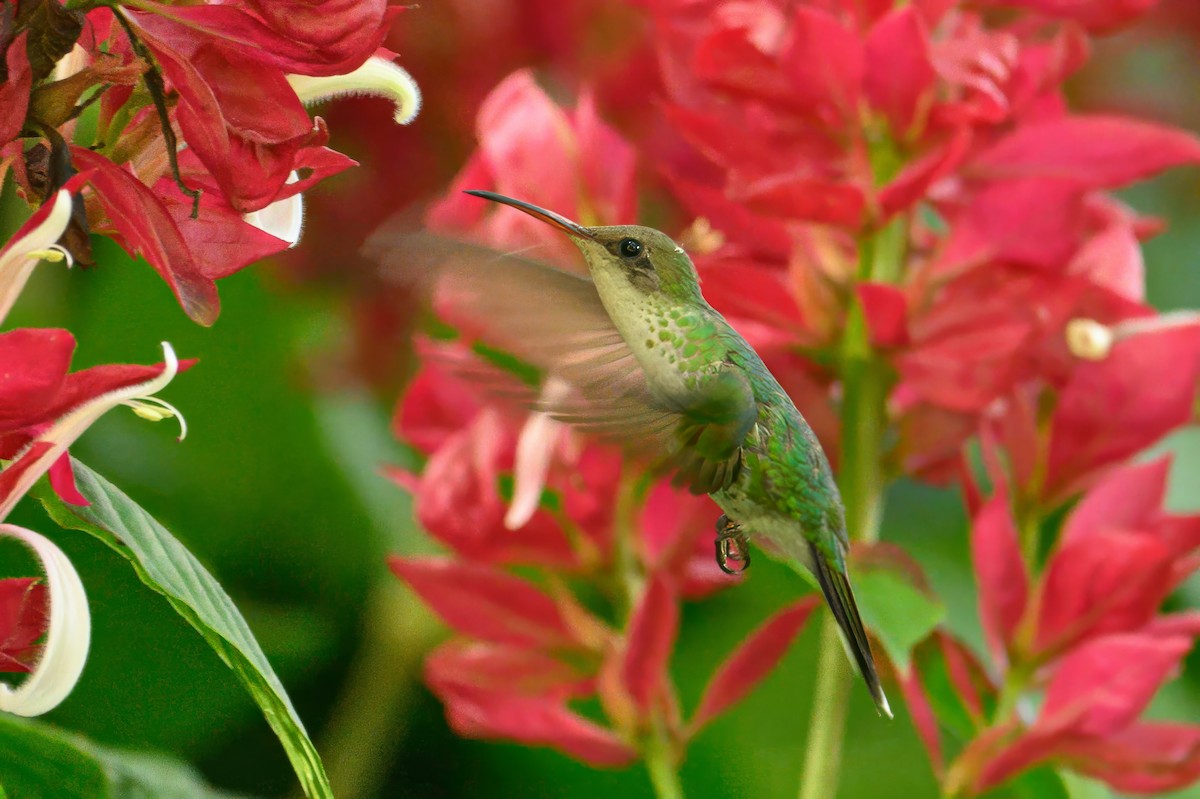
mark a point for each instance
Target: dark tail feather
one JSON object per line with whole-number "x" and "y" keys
{"x": 836, "y": 588}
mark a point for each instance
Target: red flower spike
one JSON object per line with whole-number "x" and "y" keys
{"x": 751, "y": 662}
{"x": 458, "y": 500}
{"x": 24, "y": 614}
{"x": 1091, "y": 151}
{"x": 484, "y": 602}
{"x": 536, "y": 722}
{"x": 1001, "y": 572}
{"x": 651, "y": 635}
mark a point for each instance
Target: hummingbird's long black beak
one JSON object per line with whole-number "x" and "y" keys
{"x": 560, "y": 222}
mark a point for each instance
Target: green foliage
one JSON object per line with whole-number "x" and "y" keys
{"x": 166, "y": 566}
{"x": 42, "y": 762}
{"x": 896, "y": 611}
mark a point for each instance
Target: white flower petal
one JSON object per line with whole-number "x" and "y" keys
{"x": 68, "y": 633}
{"x": 378, "y": 77}
{"x": 72, "y": 424}
{"x": 23, "y": 253}
{"x": 283, "y": 219}
{"x": 535, "y": 447}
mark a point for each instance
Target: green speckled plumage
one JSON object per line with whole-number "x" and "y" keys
{"x": 636, "y": 355}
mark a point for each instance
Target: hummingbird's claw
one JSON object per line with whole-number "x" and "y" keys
{"x": 733, "y": 551}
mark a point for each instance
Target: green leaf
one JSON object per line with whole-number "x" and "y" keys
{"x": 166, "y": 566}
{"x": 1040, "y": 783}
{"x": 39, "y": 760}
{"x": 897, "y": 612}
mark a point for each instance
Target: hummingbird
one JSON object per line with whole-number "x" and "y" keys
{"x": 656, "y": 368}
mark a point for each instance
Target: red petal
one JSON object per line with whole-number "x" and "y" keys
{"x": 899, "y": 72}
{"x": 502, "y": 669}
{"x": 24, "y": 614}
{"x": 1104, "y": 685}
{"x": 751, "y": 661}
{"x": 435, "y": 407}
{"x": 1114, "y": 408}
{"x": 1127, "y": 498}
{"x": 923, "y": 718}
{"x": 14, "y": 91}
{"x": 339, "y": 35}
{"x": 1147, "y": 758}
{"x": 62, "y": 481}
{"x": 1091, "y": 151}
{"x": 649, "y": 640}
{"x": 485, "y": 602}
{"x": 219, "y": 239}
{"x": 146, "y": 228}
{"x": 797, "y": 197}
{"x": 33, "y": 365}
{"x": 536, "y": 722}
{"x": 1001, "y": 573}
{"x": 886, "y": 311}
{"x": 825, "y": 62}
{"x": 243, "y": 119}
{"x": 1107, "y": 582}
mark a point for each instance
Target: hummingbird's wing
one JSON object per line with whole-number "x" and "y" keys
{"x": 555, "y": 321}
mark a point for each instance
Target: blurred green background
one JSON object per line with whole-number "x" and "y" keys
{"x": 276, "y": 490}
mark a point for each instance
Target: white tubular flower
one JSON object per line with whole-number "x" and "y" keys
{"x": 68, "y": 632}
{"x": 378, "y": 77}
{"x": 535, "y": 447}
{"x": 283, "y": 219}
{"x": 32, "y": 462}
{"x": 33, "y": 243}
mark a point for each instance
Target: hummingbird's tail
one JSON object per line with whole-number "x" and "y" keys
{"x": 836, "y": 587}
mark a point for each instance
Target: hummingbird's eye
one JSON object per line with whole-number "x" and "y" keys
{"x": 630, "y": 248}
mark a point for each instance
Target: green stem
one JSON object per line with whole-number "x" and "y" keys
{"x": 664, "y": 775}
{"x": 860, "y": 481}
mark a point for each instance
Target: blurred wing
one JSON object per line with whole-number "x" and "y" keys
{"x": 555, "y": 321}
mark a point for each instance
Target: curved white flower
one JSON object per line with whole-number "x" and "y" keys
{"x": 377, "y": 77}
{"x": 34, "y": 242}
{"x": 33, "y": 461}
{"x": 68, "y": 632}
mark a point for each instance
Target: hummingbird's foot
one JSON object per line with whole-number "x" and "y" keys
{"x": 733, "y": 551}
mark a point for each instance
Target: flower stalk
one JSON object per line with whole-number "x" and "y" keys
{"x": 860, "y": 481}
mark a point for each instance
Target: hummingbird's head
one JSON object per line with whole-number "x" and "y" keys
{"x": 624, "y": 257}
